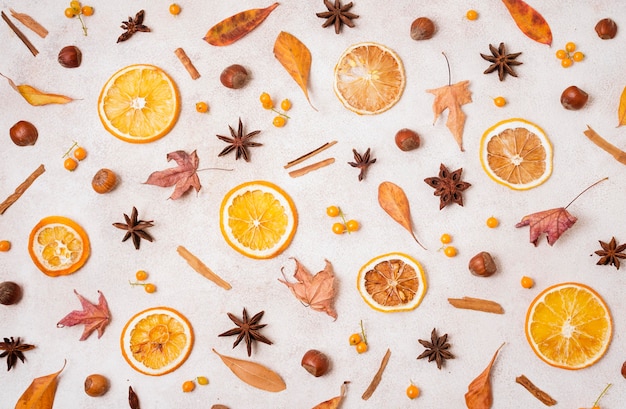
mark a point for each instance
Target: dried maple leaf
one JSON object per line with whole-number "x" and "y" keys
{"x": 94, "y": 317}
{"x": 553, "y": 222}
{"x": 184, "y": 176}
{"x": 315, "y": 291}
{"x": 452, "y": 97}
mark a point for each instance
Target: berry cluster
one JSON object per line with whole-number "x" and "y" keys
{"x": 569, "y": 55}
{"x": 142, "y": 275}
{"x": 281, "y": 119}
{"x": 78, "y": 153}
{"x": 77, "y": 10}
{"x": 349, "y": 226}
{"x": 449, "y": 251}
{"x": 189, "y": 386}
{"x": 359, "y": 341}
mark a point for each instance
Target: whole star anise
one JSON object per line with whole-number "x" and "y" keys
{"x": 135, "y": 228}
{"x": 247, "y": 329}
{"x": 362, "y": 162}
{"x": 14, "y": 350}
{"x": 239, "y": 142}
{"x": 132, "y": 26}
{"x": 448, "y": 186}
{"x": 437, "y": 349}
{"x": 611, "y": 253}
{"x": 501, "y": 61}
{"x": 337, "y": 15}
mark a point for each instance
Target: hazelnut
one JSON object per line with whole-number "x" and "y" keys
{"x": 10, "y": 293}
{"x": 624, "y": 369}
{"x": 315, "y": 362}
{"x": 23, "y": 133}
{"x": 422, "y": 28}
{"x": 606, "y": 29}
{"x": 482, "y": 265}
{"x": 574, "y": 98}
{"x": 96, "y": 385}
{"x": 219, "y": 407}
{"x": 407, "y": 140}
{"x": 234, "y": 76}
{"x": 104, "y": 181}
{"x": 70, "y": 56}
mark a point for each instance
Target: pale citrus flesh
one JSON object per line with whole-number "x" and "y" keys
{"x": 258, "y": 219}
{"x": 569, "y": 326}
{"x": 157, "y": 341}
{"x": 369, "y": 78}
{"x": 392, "y": 282}
{"x": 58, "y": 246}
{"x": 139, "y": 104}
{"x": 516, "y": 153}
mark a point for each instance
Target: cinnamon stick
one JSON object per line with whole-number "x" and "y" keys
{"x": 21, "y": 189}
{"x": 317, "y": 165}
{"x": 477, "y": 304}
{"x": 535, "y": 391}
{"x": 30, "y": 23}
{"x": 201, "y": 268}
{"x": 377, "y": 378}
{"x": 182, "y": 56}
{"x": 617, "y": 153}
{"x": 309, "y": 155}
{"x": 20, "y": 35}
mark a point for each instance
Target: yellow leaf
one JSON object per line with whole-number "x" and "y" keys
{"x": 35, "y": 97}
{"x": 40, "y": 393}
{"x": 296, "y": 58}
{"x": 621, "y": 112}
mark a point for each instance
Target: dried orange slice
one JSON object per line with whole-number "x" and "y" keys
{"x": 369, "y": 78}
{"x": 157, "y": 341}
{"x": 258, "y": 219}
{"x": 516, "y": 153}
{"x": 392, "y": 282}
{"x": 569, "y": 326}
{"x": 58, "y": 246}
{"x": 139, "y": 103}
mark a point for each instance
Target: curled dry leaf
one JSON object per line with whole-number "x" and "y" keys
{"x": 184, "y": 175}
{"x": 295, "y": 57}
{"x": 35, "y": 97}
{"x": 316, "y": 291}
{"x": 254, "y": 374}
{"x": 237, "y": 26}
{"x": 621, "y": 110}
{"x": 452, "y": 97}
{"x": 529, "y": 21}
{"x": 393, "y": 200}
{"x": 478, "y": 394}
{"x": 94, "y": 317}
{"x": 334, "y": 402}
{"x": 40, "y": 393}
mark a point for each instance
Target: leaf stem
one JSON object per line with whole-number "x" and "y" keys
{"x": 589, "y": 187}
{"x": 448, "y": 63}
{"x": 228, "y": 170}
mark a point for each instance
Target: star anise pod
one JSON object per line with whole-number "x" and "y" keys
{"x": 448, "y": 186}
{"x": 247, "y": 329}
{"x": 611, "y": 253}
{"x": 135, "y": 228}
{"x": 501, "y": 61}
{"x": 362, "y": 162}
{"x": 14, "y": 350}
{"x": 239, "y": 142}
{"x": 132, "y": 26}
{"x": 337, "y": 15}
{"x": 436, "y": 349}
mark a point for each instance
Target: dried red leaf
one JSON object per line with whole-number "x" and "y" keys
{"x": 316, "y": 291}
{"x": 184, "y": 176}
{"x": 553, "y": 222}
{"x": 94, "y": 317}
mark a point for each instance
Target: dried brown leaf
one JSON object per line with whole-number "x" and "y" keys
{"x": 184, "y": 175}
{"x": 378, "y": 377}
{"x": 295, "y": 57}
{"x": 452, "y": 97}
{"x": 334, "y": 402}
{"x": 316, "y": 291}
{"x": 133, "y": 399}
{"x": 393, "y": 200}
{"x": 237, "y": 26}
{"x": 94, "y": 317}
{"x": 478, "y": 394}
{"x": 553, "y": 222}
{"x": 40, "y": 393}
{"x": 254, "y": 374}
{"x": 36, "y": 97}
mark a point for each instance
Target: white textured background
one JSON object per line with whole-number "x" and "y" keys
{"x": 193, "y": 220}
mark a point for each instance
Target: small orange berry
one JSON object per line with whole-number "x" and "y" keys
{"x": 566, "y": 62}
{"x": 471, "y": 15}
{"x": 285, "y": 105}
{"x": 352, "y": 225}
{"x": 412, "y": 391}
{"x": 332, "y": 211}
{"x": 279, "y": 121}
{"x": 188, "y": 386}
{"x": 80, "y": 153}
{"x": 499, "y": 102}
{"x": 446, "y": 238}
{"x": 5, "y": 245}
{"x": 174, "y": 9}
{"x": 570, "y": 47}
{"x": 150, "y": 288}
{"x": 450, "y": 251}
{"x": 492, "y": 222}
{"x": 578, "y": 56}
{"x": 527, "y": 282}
{"x": 354, "y": 339}
{"x": 560, "y": 54}
{"x": 87, "y": 11}
{"x": 361, "y": 347}
{"x": 70, "y": 164}
{"x": 338, "y": 228}
{"x": 141, "y": 275}
{"x": 202, "y": 107}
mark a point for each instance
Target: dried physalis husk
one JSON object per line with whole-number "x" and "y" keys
{"x": 10, "y": 293}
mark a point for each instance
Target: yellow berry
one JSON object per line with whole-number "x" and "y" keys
{"x": 471, "y": 15}
{"x": 174, "y": 9}
{"x": 352, "y": 225}
{"x": 150, "y": 288}
{"x": 265, "y": 98}
{"x": 446, "y": 238}
{"x": 332, "y": 211}
{"x": 354, "y": 339}
{"x": 202, "y": 380}
{"x": 70, "y": 12}
{"x": 361, "y": 347}
{"x": 338, "y": 228}
{"x": 80, "y": 153}
{"x": 285, "y": 105}
{"x": 188, "y": 386}
{"x": 566, "y": 62}
{"x": 499, "y": 101}
{"x": 527, "y": 282}
{"x": 560, "y": 54}
{"x": 70, "y": 164}
{"x": 202, "y": 107}
{"x": 141, "y": 275}
{"x": 450, "y": 251}
{"x": 492, "y": 222}
{"x": 578, "y": 56}
{"x": 5, "y": 245}
{"x": 279, "y": 121}
{"x": 570, "y": 47}
{"x": 87, "y": 11}
{"x": 412, "y": 391}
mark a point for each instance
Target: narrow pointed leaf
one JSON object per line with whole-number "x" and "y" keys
{"x": 393, "y": 200}
{"x": 621, "y": 111}
{"x": 296, "y": 58}
{"x": 254, "y": 374}
{"x": 529, "y": 21}
{"x": 237, "y": 26}
{"x": 36, "y": 97}
{"x": 334, "y": 402}
{"x": 40, "y": 393}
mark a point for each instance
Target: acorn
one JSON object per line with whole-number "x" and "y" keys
{"x": 606, "y": 29}
{"x": 96, "y": 385}
{"x": 10, "y": 293}
{"x": 574, "y": 98}
{"x": 315, "y": 362}
{"x": 407, "y": 140}
{"x": 234, "y": 76}
{"x": 104, "y": 181}
{"x": 482, "y": 265}
{"x": 23, "y": 133}
{"x": 70, "y": 57}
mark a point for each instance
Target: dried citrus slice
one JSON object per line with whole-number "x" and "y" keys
{"x": 258, "y": 219}
{"x": 139, "y": 103}
{"x": 392, "y": 282}
{"x": 369, "y": 78}
{"x": 58, "y": 246}
{"x": 157, "y": 341}
{"x": 569, "y": 326}
{"x": 516, "y": 153}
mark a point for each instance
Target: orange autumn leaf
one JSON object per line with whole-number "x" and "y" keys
{"x": 452, "y": 97}
{"x": 394, "y": 202}
{"x": 478, "y": 394}
{"x": 237, "y": 26}
{"x": 334, "y": 402}
{"x": 295, "y": 57}
{"x": 621, "y": 111}
{"x": 40, "y": 393}
{"x": 529, "y": 21}
{"x": 316, "y": 291}
{"x": 36, "y": 97}
{"x": 553, "y": 223}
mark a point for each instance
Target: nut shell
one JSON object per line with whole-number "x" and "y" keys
{"x": 422, "y": 28}
{"x": 23, "y": 133}
{"x": 606, "y": 29}
{"x": 574, "y": 98}
{"x": 482, "y": 265}
{"x": 10, "y": 293}
{"x": 315, "y": 362}
{"x": 70, "y": 56}
{"x": 407, "y": 140}
{"x": 234, "y": 76}
{"x": 96, "y": 385}
{"x": 104, "y": 181}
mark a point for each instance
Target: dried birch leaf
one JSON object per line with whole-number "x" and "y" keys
{"x": 35, "y": 97}
{"x": 553, "y": 222}
{"x": 296, "y": 58}
{"x": 40, "y": 393}
{"x": 254, "y": 374}
{"x": 94, "y": 317}
{"x": 532, "y": 24}
{"x": 184, "y": 176}
{"x": 316, "y": 291}
{"x": 621, "y": 111}
{"x": 393, "y": 200}
{"x": 237, "y": 26}
{"x": 452, "y": 97}
{"x": 334, "y": 402}
{"x": 478, "y": 394}
{"x": 616, "y": 152}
